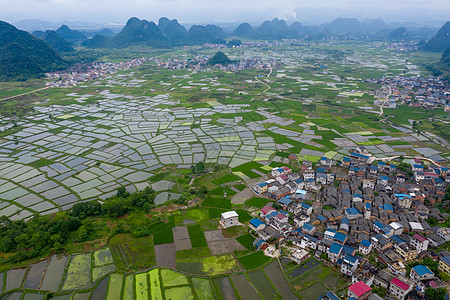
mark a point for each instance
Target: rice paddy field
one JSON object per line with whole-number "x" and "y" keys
{"x": 73, "y": 279}
{"x": 83, "y": 143}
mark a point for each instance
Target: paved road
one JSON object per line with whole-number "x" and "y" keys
{"x": 385, "y": 100}
{"x": 12, "y": 97}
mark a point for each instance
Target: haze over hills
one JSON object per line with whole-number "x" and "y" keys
{"x": 168, "y": 33}
{"x": 23, "y": 55}
{"x": 440, "y": 41}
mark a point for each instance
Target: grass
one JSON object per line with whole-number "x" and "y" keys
{"x": 254, "y": 260}
{"x": 79, "y": 272}
{"x": 171, "y": 278}
{"x": 244, "y": 216}
{"x": 196, "y": 236}
{"x": 182, "y": 292}
{"x": 240, "y": 187}
{"x": 141, "y": 286}
{"x": 127, "y": 251}
{"x": 256, "y": 202}
{"x": 221, "y": 264}
{"x": 203, "y": 288}
{"x": 164, "y": 236}
{"x": 225, "y": 179}
{"x": 194, "y": 253}
{"x": 246, "y": 240}
{"x": 217, "y": 202}
{"x": 155, "y": 284}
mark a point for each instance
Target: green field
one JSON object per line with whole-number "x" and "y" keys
{"x": 254, "y": 260}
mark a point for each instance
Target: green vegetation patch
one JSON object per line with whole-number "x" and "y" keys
{"x": 127, "y": 251}
{"x": 246, "y": 240}
{"x": 115, "y": 287}
{"x": 141, "y": 286}
{"x": 182, "y": 292}
{"x": 226, "y": 178}
{"x": 221, "y": 264}
{"x": 203, "y": 288}
{"x": 102, "y": 257}
{"x": 196, "y": 236}
{"x": 164, "y": 236}
{"x": 217, "y": 202}
{"x": 256, "y": 202}
{"x": 244, "y": 216}
{"x": 99, "y": 272}
{"x": 172, "y": 278}
{"x": 79, "y": 273}
{"x": 194, "y": 253}
{"x": 155, "y": 284}
{"x": 254, "y": 260}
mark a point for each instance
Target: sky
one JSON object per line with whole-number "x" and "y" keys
{"x": 223, "y": 11}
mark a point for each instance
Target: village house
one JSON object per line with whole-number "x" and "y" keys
{"x": 399, "y": 289}
{"x": 359, "y": 290}
{"x": 365, "y": 247}
{"x": 229, "y": 219}
{"x": 444, "y": 264}
{"x": 419, "y": 242}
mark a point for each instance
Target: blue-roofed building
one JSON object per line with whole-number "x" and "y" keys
{"x": 381, "y": 166}
{"x": 397, "y": 240}
{"x": 392, "y": 167}
{"x": 353, "y": 213}
{"x": 377, "y": 226}
{"x": 340, "y": 237}
{"x": 444, "y": 264}
{"x": 257, "y": 224}
{"x": 284, "y": 202}
{"x": 383, "y": 180}
{"x": 365, "y": 247}
{"x": 321, "y": 218}
{"x": 345, "y": 162}
{"x": 360, "y": 157}
{"x": 260, "y": 188}
{"x": 329, "y": 296}
{"x": 271, "y": 215}
{"x": 421, "y": 275}
{"x": 306, "y": 208}
{"x": 334, "y": 252}
{"x": 417, "y": 168}
{"x": 357, "y": 197}
{"x": 348, "y": 250}
{"x": 321, "y": 178}
{"x": 373, "y": 169}
{"x": 258, "y": 243}
{"x": 349, "y": 264}
{"x": 308, "y": 228}
{"x": 387, "y": 207}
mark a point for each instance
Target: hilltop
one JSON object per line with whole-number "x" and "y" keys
{"x": 440, "y": 41}
{"x": 24, "y": 55}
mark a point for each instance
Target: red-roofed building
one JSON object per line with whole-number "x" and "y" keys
{"x": 419, "y": 242}
{"x": 282, "y": 218}
{"x": 399, "y": 289}
{"x": 287, "y": 170}
{"x": 266, "y": 210}
{"x": 359, "y": 290}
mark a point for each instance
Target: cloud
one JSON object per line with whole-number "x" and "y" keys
{"x": 206, "y": 10}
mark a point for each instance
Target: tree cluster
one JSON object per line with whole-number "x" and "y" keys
{"x": 44, "y": 234}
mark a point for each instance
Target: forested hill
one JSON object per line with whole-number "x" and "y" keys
{"x": 23, "y": 55}
{"x": 440, "y": 41}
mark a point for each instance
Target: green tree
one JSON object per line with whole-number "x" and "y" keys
{"x": 436, "y": 294}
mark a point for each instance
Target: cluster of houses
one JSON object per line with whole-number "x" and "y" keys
{"x": 348, "y": 211}
{"x": 427, "y": 92}
{"x": 201, "y": 63}
{"x": 89, "y": 71}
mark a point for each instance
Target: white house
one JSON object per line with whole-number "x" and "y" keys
{"x": 365, "y": 247}
{"x": 229, "y": 219}
{"x": 419, "y": 242}
{"x": 444, "y": 233}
